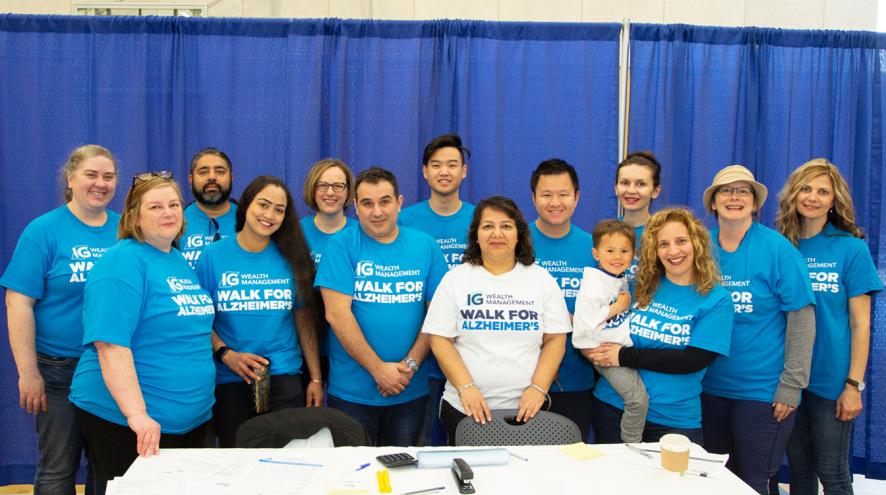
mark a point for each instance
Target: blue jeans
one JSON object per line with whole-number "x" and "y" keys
{"x": 819, "y": 448}
{"x": 59, "y": 437}
{"x": 749, "y": 433}
{"x": 432, "y": 433}
{"x": 606, "y": 420}
{"x": 398, "y": 424}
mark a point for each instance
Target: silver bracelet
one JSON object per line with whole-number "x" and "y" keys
{"x": 465, "y": 387}
{"x": 536, "y": 387}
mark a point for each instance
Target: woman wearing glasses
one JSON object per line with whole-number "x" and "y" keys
{"x": 328, "y": 191}
{"x": 44, "y": 299}
{"x": 749, "y": 397}
{"x": 146, "y": 377}
{"x": 261, "y": 283}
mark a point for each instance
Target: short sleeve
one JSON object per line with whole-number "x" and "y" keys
{"x": 336, "y": 271}
{"x": 591, "y": 304}
{"x": 712, "y": 330}
{"x": 555, "y": 315}
{"x": 31, "y": 261}
{"x": 438, "y": 269}
{"x": 111, "y": 310}
{"x": 442, "y": 316}
{"x": 861, "y": 275}
{"x": 793, "y": 287}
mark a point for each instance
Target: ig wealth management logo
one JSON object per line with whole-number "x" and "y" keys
{"x": 365, "y": 269}
{"x": 81, "y": 252}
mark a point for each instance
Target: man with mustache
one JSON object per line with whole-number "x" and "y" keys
{"x": 211, "y": 216}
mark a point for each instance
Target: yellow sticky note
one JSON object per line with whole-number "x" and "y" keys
{"x": 581, "y": 451}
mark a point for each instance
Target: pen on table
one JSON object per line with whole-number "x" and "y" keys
{"x": 702, "y": 474}
{"x": 639, "y": 451}
{"x": 362, "y": 467}
{"x": 517, "y": 456}
{"x": 719, "y": 461}
{"x": 290, "y": 463}
{"x": 426, "y": 490}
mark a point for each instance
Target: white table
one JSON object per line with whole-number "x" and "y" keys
{"x": 547, "y": 471}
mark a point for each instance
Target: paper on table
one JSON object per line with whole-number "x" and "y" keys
{"x": 581, "y": 451}
{"x": 264, "y": 478}
{"x": 711, "y": 465}
{"x": 172, "y": 483}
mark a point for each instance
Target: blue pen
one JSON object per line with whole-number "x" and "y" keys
{"x": 362, "y": 466}
{"x": 289, "y": 463}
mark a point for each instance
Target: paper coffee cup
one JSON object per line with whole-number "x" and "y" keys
{"x": 674, "y": 452}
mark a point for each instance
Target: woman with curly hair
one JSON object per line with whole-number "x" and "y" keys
{"x": 497, "y": 323}
{"x": 816, "y": 215}
{"x": 681, "y": 321}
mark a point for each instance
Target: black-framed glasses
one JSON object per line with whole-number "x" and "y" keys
{"x": 740, "y": 191}
{"x": 163, "y": 174}
{"x": 336, "y": 186}
{"x": 213, "y": 226}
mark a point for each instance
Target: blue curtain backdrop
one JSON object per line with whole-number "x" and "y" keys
{"x": 703, "y": 98}
{"x": 277, "y": 95}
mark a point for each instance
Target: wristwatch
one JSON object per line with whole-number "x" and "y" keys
{"x": 220, "y": 352}
{"x": 859, "y": 385}
{"x": 412, "y": 364}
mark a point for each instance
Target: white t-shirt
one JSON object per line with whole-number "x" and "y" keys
{"x": 498, "y": 323}
{"x": 590, "y": 326}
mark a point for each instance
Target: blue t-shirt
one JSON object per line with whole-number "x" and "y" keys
{"x": 317, "y": 240}
{"x": 840, "y": 267}
{"x": 565, "y": 259}
{"x": 767, "y": 277}
{"x": 149, "y": 301}
{"x": 389, "y": 284}
{"x": 50, "y": 262}
{"x": 677, "y": 317}
{"x": 200, "y": 231}
{"x": 253, "y": 295}
{"x": 451, "y": 234}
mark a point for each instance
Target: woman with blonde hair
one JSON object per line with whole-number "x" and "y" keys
{"x": 44, "y": 299}
{"x": 816, "y": 215}
{"x": 146, "y": 377}
{"x": 681, "y": 321}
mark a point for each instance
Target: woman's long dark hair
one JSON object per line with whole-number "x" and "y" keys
{"x": 292, "y": 245}
{"x": 524, "y": 252}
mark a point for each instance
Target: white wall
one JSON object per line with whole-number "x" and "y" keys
{"x": 793, "y": 14}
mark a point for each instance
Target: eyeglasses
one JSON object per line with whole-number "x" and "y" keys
{"x": 741, "y": 191}
{"x": 213, "y": 225}
{"x": 163, "y": 174}
{"x": 336, "y": 186}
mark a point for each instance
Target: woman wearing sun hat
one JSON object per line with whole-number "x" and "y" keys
{"x": 749, "y": 397}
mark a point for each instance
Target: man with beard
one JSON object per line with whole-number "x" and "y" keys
{"x": 212, "y": 215}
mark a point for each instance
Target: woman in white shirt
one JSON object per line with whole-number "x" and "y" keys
{"x": 497, "y": 323}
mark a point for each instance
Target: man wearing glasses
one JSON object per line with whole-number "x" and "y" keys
{"x": 213, "y": 214}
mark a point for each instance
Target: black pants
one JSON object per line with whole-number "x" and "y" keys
{"x": 575, "y": 406}
{"x": 450, "y": 417}
{"x": 234, "y": 404}
{"x": 112, "y": 447}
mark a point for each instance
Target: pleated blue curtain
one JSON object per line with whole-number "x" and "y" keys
{"x": 703, "y": 98}
{"x": 279, "y": 94}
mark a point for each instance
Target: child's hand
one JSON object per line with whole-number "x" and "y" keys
{"x": 621, "y": 304}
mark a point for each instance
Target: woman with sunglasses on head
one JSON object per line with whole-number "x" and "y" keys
{"x": 328, "y": 191}
{"x": 145, "y": 379}
{"x": 44, "y": 299}
{"x": 749, "y": 397}
{"x": 261, "y": 282}
{"x": 816, "y": 215}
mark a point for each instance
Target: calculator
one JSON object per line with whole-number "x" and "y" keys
{"x": 397, "y": 460}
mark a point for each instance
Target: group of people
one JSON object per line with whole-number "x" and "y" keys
{"x": 148, "y": 329}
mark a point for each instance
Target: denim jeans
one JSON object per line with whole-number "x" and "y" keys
{"x": 575, "y": 406}
{"x": 606, "y": 420}
{"x": 749, "y": 433}
{"x": 59, "y": 437}
{"x": 819, "y": 448}
{"x": 432, "y": 432}
{"x": 398, "y": 424}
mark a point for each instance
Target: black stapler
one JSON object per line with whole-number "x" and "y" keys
{"x": 463, "y": 475}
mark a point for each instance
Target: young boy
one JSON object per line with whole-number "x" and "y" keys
{"x": 602, "y": 310}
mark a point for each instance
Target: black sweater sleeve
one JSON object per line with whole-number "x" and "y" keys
{"x": 674, "y": 361}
